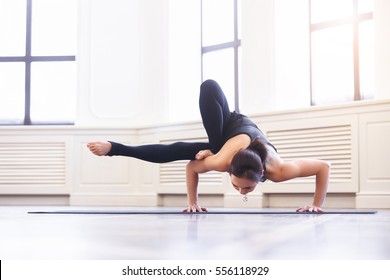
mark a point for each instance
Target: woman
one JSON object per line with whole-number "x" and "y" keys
{"x": 236, "y": 145}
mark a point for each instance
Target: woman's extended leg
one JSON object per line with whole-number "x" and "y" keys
{"x": 158, "y": 153}
{"x": 215, "y": 112}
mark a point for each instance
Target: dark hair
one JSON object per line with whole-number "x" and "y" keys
{"x": 248, "y": 163}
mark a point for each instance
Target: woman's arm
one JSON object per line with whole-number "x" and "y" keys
{"x": 303, "y": 168}
{"x": 193, "y": 169}
{"x": 206, "y": 162}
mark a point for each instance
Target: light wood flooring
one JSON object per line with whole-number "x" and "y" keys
{"x": 114, "y": 237}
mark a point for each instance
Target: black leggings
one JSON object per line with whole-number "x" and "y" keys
{"x": 215, "y": 113}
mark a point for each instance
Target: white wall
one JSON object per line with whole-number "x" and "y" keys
{"x": 139, "y": 62}
{"x": 292, "y": 65}
{"x": 184, "y": 59}
{"x": 258, "y": 77}
{"x": 122, "y": 62}
{"x": 275, "y": 65}
{"x": 382, "y": 47}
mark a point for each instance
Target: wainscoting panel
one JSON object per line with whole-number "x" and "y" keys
{"x": 104, "y": 180}
{"x": 331, "y": 139}
{"x": 34, "y": 165}
{"x": 374, "y": 160}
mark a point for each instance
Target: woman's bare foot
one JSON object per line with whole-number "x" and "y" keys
{"x": 99, "y": 148}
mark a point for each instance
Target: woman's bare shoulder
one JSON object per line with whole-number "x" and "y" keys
{"x": 231, "y": 147}
{"x": 236, "y": 143}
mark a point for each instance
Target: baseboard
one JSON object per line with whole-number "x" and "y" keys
{"x": 373, "y": 201}
{"x": 55, "y": 200}
{"x": 292, "y": 200}
{"x": 103, "y": 199}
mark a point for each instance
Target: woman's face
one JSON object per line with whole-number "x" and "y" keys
{"x": 242, "y": 185}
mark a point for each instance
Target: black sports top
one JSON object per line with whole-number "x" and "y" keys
{"x": 241, "y": 124}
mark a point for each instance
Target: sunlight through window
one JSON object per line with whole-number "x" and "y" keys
{"x": 37, "y": 61}
{"x": 220, "y": 46}
{"x": 342, "y": 52}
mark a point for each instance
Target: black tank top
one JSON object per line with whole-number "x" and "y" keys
{"x": 241, "y": 124}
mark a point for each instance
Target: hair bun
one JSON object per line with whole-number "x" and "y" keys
{"x": 259, "y": 147}
{"x": 247, "y": 164}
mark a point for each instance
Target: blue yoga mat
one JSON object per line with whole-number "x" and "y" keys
{"x": 228, "y": 212}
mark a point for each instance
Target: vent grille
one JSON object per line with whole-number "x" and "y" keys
{"x": 331, "y": 143}
{"x": 29, "y": 163}
{"x": 174, "y": 173}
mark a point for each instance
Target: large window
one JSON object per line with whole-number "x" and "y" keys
{"x": 220, "y": 46}
{"x": 37, "y": 61}
{"x": 342, "y": 54}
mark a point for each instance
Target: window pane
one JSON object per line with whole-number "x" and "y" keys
{"x": 239, "y": 19}
{"x": 12, "y": 92}
{"x": 366, "y": 59}
{"x": 365, "y": 6}
{"x": 325, "y": 10}
{"x": 332, "y": 65}
{"x": 217, "y": 21}
{"x": 54, "y": 27}
{"x": 219, "y": 66}
{"x": 12, "y": 27}
{"x": 53, "y": 92}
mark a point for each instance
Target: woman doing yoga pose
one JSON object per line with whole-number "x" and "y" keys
{"x": 236, "y": 145}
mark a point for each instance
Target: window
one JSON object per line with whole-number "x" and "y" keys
{"x": 220, "y": 46}
{"x": 342, "y": 54}
{"x": 37, "y": 61}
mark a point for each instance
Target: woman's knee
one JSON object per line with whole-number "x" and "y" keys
{"x": 209, "y": 89}
{"x": 209, "y": 86}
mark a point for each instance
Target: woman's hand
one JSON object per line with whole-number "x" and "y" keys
{"x": 195, "y": 208}
{"x": 203, "y": 154}
{"x": 310, "y": 208}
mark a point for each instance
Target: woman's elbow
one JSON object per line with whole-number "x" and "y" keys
{"x": 327, "y": 165}
{"x": 190, "y": 166}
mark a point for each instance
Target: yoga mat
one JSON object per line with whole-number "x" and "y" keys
{"x": 162, "y": 212}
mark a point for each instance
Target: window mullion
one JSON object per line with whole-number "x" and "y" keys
{"x": 232, "y": 44}
{"x": 236, "y": 46}
{"x": 357, "y": 95}
{"x": 27, "y": 101}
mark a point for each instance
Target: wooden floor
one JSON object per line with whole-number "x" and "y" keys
{"x": 115, "y": 237}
